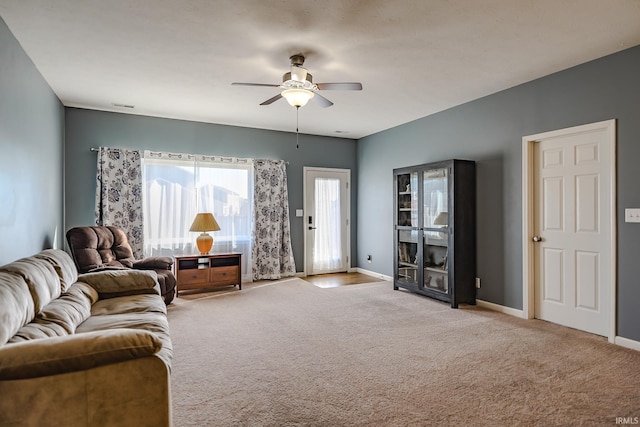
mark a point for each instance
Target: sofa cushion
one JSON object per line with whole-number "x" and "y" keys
{"x": 16, "y": 305}
{"x": 146, "y": 321}
{"x": 59, "y": 355}
{"x": 145, "y": 303}
{"x": 41, "y": 278}
{"x": 61, "y": 316}
{"x": 63, "y": 264}
{"x": 121, "y": 282}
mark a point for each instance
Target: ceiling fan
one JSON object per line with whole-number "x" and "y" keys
{"x": 298, "y": 87}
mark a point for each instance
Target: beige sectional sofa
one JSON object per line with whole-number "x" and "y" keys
{"x": 82, "y": 350}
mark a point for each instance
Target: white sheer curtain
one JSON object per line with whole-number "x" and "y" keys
{"x": 177, "y": 186}
{"x": 327, "y": 251}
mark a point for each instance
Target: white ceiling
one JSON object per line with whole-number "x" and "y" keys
{"x": 177, "y": 59}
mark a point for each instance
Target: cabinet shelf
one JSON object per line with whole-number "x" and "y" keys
{"x": 442, "y": 230}
{"x": 441, "y": 243}
{"x": 435, "y": 243}
{"x": 407, "y": 264}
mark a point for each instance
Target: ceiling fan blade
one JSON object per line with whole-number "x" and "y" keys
{"x": 272, "y": 100}
{"x": 321, "y": 100}
{"x": 255, "y": 84}
{"x": 339, "y": 86}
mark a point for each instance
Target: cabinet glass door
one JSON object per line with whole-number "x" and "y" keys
{"x": 435, "y": 199}
{"x": 436, "y": 229}
{"x": 407, "y": 200}
{"x": 408, "y": 256}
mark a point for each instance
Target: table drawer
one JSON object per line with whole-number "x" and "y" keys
{"x": 224, "y": 275}
{"x": 187, "y": 277}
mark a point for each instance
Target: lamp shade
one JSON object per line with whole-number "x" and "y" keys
{"x": 297, "y": 97}
{"x": 441, "y": 219}
{"x": 204, "y": 222}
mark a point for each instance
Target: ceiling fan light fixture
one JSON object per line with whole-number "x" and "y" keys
{"x": 298, "y": 88}
{"x": 298, "y": 74}
{"x": 297, "y": 97}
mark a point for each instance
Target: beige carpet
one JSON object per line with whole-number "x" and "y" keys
{"x": 289, "y": 353}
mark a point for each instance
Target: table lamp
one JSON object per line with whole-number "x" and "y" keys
{"x": 204, "y": 222}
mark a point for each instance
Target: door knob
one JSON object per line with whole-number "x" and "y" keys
{"x": 537, "y": 239}
{"x": 312, "y": 228}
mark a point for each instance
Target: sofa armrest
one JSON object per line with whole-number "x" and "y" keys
{"x": 113, "y": 283}
{"x": 70, "y": 353}
{"x": 153, "y": 263}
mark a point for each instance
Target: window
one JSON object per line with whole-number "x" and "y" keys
{"x": 177, "y": 186}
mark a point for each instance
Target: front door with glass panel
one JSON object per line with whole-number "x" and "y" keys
{"x": 326, "y": 220}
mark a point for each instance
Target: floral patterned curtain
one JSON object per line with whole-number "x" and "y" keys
{"x": 119, "y": 193}
{"x": 272, "y": 253}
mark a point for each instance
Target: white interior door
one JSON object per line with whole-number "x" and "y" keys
{"x": 572, "y": 232}
{"x": 326, "y": 220}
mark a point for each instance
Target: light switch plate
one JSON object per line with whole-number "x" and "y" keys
{"x": 632, "y": 215}
{"x": 299, "y": 212}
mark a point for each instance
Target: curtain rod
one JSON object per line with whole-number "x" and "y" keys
{"x": 98, "y": 149}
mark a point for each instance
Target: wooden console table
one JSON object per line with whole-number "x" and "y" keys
{"x": 207, "y": 271}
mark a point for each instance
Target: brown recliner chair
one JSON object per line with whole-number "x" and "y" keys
{"x": 96, "y": 248}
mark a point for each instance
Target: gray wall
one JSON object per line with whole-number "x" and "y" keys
{"x": 490, "y": 130}
{"x": 90, "y": 128}
{"x": 31, "y": 140}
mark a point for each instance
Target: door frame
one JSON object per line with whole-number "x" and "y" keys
{"x": 529, "y": 209}
{"x": 305, "y": 169}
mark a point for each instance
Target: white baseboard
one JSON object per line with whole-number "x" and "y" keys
{"x": 371, "y": 273}
{"x": 626, "y": 342}
{"x": 500, "y": 308}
